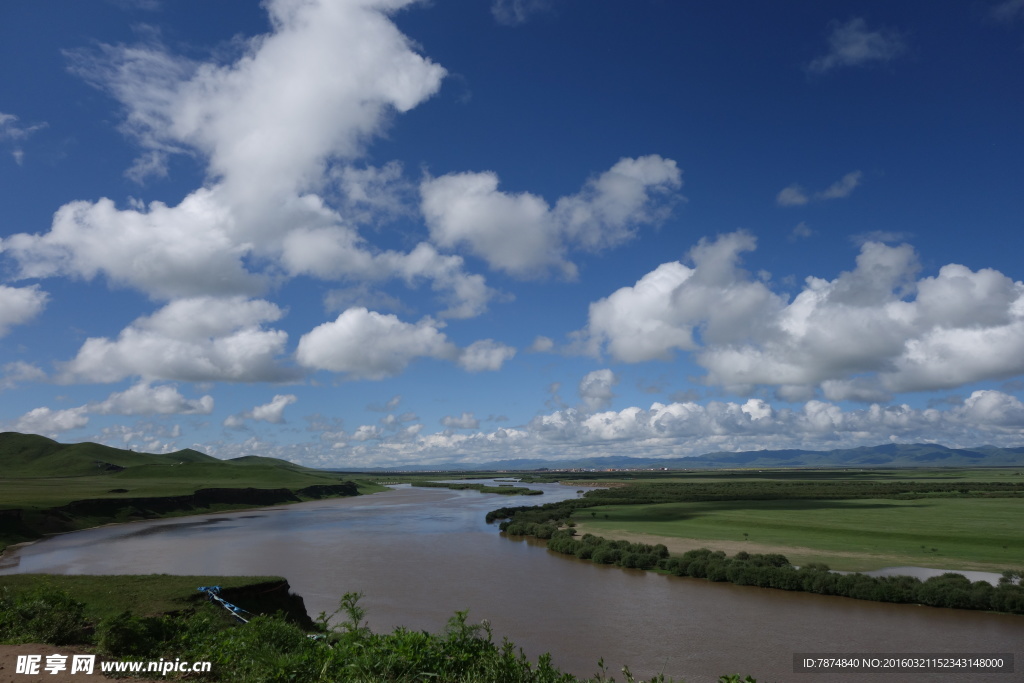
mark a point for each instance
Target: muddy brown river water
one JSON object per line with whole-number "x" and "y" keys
{"x": 419, "y": 555}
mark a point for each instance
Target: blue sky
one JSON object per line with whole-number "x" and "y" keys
{"x": 376, "y": 232}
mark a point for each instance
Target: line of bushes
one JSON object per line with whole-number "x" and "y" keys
{"x": 30, "y": 523}
{"x": 482, "y": 488}
{"x": 759, "y": 489}
{"x": 644, "y": 493}
{"x": 775, "y": 571}
{"x": 270, "y": 649}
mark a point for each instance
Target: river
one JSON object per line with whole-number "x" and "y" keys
{"x": 420, "y": 554}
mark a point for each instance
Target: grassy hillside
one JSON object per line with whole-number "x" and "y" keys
{"x": 39, "y": 472}
{"x": 47, "y": 487}
{"x": 30, "y": 456}
{"x": 153, "y": 594}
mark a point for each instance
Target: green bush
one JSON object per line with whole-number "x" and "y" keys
{"x": 269, "y": 649}
{"x": 124, "y": 634}
{"x": 43, "y": 614}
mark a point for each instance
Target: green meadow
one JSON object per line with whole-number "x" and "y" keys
{"x": 887, "y": 474}
{"x": 159, "y": 479}
{"x": 39, "y": 478}
{"x": 141, "y": 594}
{"x": 855, "y": 535}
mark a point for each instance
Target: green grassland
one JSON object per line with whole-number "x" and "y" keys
{"x": 856, "y": 535}
{"x": 30, "y": 456}
{"x": 171, "y": 625}
{"x": 852, "y": 519}
{"x": 48, "y": 487}
{"x": 943, "y": 474}
{"x": 501, "y": 490}
{"x": 38, "y": 472}
{"x": 158, "y": 479}
{"x": 143, "y": 594}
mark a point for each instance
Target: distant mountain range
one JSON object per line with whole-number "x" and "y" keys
{"x": 886, "y": 455}
{"x": 31, "y": 455}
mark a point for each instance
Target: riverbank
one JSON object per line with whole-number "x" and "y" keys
{"x": 48, "y": 488}
{"x": 421, "y": 554}
{"x": 875, "y": 564}
{"x": 839, "y": 561}
{"x": 855, "y": 522}
{"x": 975, "y": 533}
{"x": 265, "y": 649}
{"x": 87, "y": 615}
{"x": 105, "y": 596}
{"x": 500, "y": 489}
{"x": 30, "y": 524}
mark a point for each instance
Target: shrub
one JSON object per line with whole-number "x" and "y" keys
{"x": 125, "y": 634}
{"x": 43, "y": 614}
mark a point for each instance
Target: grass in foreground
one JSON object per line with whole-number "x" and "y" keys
{"x": 143, "y": 594}
{"x": 853, "y": 535}
{"x": 271, "y": 650}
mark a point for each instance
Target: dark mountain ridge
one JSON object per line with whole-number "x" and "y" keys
{"x": 883, "y": 455}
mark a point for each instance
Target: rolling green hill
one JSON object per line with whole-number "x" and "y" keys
{"x": 48, "y": 487}
{"x": 30, "y": 455}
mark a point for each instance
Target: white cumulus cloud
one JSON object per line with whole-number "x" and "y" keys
{"x": 274, "y": 116}
{"x": 596, "y": 389}
{"x": 367, "y": 432}
{"x": 485, "y": 354}
{"x": 164, "y": 251}
{"x": 370, "y": 345}
{"x": 523, "y": 235}
{"x": 280, "y": 127}
{"x": 541, "y": 344}
{"x": 146, "y": 399}
{"x": 196, "y": 340}
{"x": 48, "y": 422}
{"x": 670, "y": 307}
{"x": 17, "y": 372}
{"x": 272, "y": 412}
{"x": 19, "y": 305}
{"x": 464, "y": 421}
{"x": 869, "y": 333}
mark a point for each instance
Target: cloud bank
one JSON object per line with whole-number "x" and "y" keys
{"x": 869, "y": 333}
